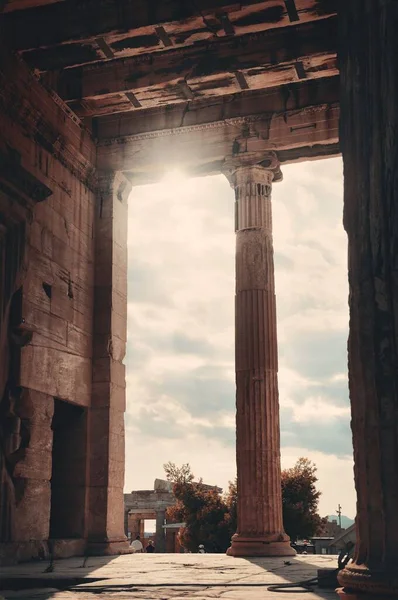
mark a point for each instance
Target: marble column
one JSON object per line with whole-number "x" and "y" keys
{"x": 260, "y": 527}
{"x": 368, "y": 52}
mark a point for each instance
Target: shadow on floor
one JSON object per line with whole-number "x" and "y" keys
{"x": 44, "y": 579}
{"x": 160, "y": 578}
{"x": 293, "y": 572}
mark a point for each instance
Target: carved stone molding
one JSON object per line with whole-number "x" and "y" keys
{"x": 258, "y": 155}
{"x": 113, "y": 182}
{"x": 233, "y": 122}
{"x": 33, "y": 121}
{"x": 19, "y": 184}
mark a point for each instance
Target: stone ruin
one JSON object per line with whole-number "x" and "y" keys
{"x": 98, "y": 96}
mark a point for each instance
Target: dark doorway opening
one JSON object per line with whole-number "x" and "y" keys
{"x": 68, "y": 479}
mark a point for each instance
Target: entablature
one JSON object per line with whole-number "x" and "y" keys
{"x": 199, "y": 145}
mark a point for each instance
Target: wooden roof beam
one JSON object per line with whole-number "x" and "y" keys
{"x": 129, "y": 28}
{"x": 265, "y": 52}
{"x": 16, "y": 5}
{"x": 76, "y": 20}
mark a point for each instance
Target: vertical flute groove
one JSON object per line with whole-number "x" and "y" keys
{"x": 258, "y": 455}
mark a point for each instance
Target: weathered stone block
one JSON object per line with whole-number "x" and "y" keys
{"x": 45, "y": 323}
{"x": 106, "y": 369}
{"x": 32, "y": 514}
{"x": 78, "y": 341}
{"x": 105, "y": 394}
{"x": 60, "y": 374}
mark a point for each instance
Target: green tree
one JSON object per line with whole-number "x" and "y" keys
{"x": 300, "y": 499}
{"x": 203, "y": 510}
{"x": 211, "y": 518}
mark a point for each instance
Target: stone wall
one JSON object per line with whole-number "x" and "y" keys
{"x": 52, "y": 358}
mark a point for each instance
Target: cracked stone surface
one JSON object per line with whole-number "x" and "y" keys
{"x": 164, "y": 576}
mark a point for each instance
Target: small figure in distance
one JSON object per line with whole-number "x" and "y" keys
{"x": 136, "y": 545}
{"x": 150, "y": 547}
{"x": 201, "y": 549}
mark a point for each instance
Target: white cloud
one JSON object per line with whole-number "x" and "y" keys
{"x": 180, "y": 361}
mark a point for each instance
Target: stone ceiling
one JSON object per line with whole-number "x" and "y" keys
{"x": 182, "y": 63}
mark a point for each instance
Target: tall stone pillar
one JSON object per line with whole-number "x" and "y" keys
{"x": 134, "y": 527}
{"x": 142, "y": 530}
{"x": 160, "y": 542}
{"x": 260, "y": 527}
{"x": 106, "y": 503}
{"x": 369, "y": 144}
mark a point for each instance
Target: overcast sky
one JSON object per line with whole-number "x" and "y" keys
{"x": 180, "y": 358}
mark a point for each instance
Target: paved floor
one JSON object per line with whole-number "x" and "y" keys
{"x": 164, "y": 577}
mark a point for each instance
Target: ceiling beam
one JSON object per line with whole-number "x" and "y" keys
{"x": 16, "y": 5}
{"x": 202, "y": 148}
{"x": 263, "y": 54}
{"x": 272, "y": 101}
{"x": 75, "y": 21}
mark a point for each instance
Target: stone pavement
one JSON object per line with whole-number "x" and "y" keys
{"x": 163, "y": 577}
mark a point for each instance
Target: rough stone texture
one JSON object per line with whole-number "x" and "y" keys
{"x": 260, "y": 528}
{"x": 68, "y": 548}
{"x": 369, "y": 125}
{"x": 46, "y": 155}
{"x": 343, "y": 595}
{"x": 32, "y": 473}
{"x": 162, "y": 576}
{"x": 106, "y": 508}
{"x": 63, "y": 295}
{"x": 133, "y": 527}
{"x": 160, "y": 539}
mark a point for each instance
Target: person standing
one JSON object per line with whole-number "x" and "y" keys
{"x": 150, "y": 547}
{"x": 136, "y": 545}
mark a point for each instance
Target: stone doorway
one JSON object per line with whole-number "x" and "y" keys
{"x": 68, "y": 476}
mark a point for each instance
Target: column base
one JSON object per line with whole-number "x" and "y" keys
{"x": 343, "y": 595}
{"x": 360, "y": 583}
{"x": 260, "y": 546}
{"x": 108, "y": 548}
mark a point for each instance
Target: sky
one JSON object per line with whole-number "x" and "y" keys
{"x": 180, "y": 350}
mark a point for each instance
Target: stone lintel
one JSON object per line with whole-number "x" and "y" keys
{"x": 308, "y": 131}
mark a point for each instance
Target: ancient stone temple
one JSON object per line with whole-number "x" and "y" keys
{"x": 101, "y": 95}
{"x": 142, "y": 505}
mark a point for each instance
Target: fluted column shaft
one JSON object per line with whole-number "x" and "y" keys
{"x": 260, "y": 526}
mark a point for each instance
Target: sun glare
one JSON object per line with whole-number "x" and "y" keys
{"x": 175, "y": 178}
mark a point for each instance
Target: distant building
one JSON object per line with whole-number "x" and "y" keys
{"x": 332, "y": 529}
{"x": 322, "y": 544}
{"x": 341, "y": 541}
{"x": 142, "y": 505}
{"x": 172, "y": 531}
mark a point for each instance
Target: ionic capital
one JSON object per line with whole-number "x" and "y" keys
{"x": 259, "y": 167}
